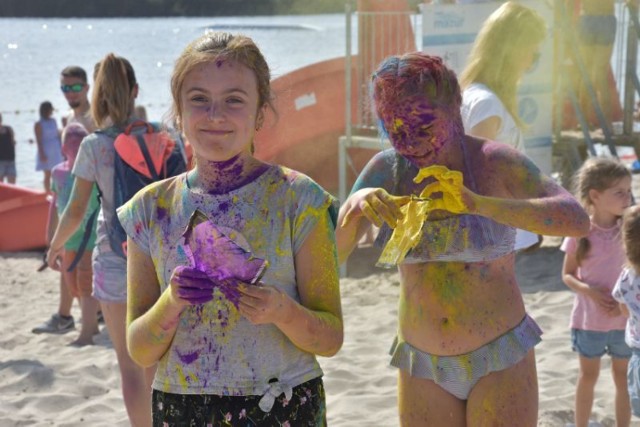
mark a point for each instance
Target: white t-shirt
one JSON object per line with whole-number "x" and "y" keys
{"x": 627, "y": 291}
{"x": 478, "y": 104}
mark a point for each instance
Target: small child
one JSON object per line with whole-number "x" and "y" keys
{"x": 591, "y": 266}
{"x": 627, "y": 293}
{"x": 79, "y": 279}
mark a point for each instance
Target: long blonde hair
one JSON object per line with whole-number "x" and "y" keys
{"x": 113, "y": 89}
{"x": 508, "y": 34}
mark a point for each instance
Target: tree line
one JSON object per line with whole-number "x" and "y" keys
{"x": 149, "y": 8}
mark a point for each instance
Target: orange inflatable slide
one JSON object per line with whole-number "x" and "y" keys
{"x": 23, "y": 215}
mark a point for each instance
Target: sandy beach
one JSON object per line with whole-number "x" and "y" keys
{"x": 45, "y": 382}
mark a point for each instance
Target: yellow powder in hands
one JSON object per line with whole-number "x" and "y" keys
{"x": 408, "y": 231}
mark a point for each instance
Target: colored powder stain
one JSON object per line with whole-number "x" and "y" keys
{"x": 162, "y": 213}
{"x": 449, "y": 291}
{"x": 223, "y": 207}
{"x": 548, "y": 221}
{"x": 182, "y": 379}
{"x": 397, "y": 124}
{"x": 465, "y": 363}
{"x": 188, "y": 358}
{"x": 138, "y": 228}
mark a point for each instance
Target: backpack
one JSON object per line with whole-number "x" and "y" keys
{"x": 141, "y": 158}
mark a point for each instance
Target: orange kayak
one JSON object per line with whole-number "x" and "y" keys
{"x": 23, "y": 218}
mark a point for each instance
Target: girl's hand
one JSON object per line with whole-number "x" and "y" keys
{"x": 43, "y": 157}
{"x": 376, "y": 205}
{"x": 456, "y": 198}
{"x": 615, "y": 311}
{"x": 262, "y": 304}
{"x": 602, "y": 298}
{"x": 190, "y": 286}
{"x": 54, "y": 258}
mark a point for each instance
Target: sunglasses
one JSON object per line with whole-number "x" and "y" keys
{"x": 72, "y": 88}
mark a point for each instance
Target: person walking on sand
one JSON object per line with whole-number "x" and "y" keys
{"x": 74, "y": 86}
{"x": 507, "y": 46}
{"x": 114, "y": 93}
{"x": 7, "y": 154}
{"x": 244, "y": 314}
{"x": 590, "y": 269}
{"x": 48, "y": 140}
{"x": 627, "y": 292}
{"x": 78, "y": 277}
{"x": 465, "y": 343}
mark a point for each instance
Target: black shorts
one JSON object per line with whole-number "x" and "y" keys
{"x": 306, "y": 408}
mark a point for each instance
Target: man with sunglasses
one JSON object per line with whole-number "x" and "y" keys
{"x": 74, "y": 86}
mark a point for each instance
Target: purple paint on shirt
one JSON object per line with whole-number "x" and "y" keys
{"x": 162, "y": 213}
{"x": 188, "y": 358}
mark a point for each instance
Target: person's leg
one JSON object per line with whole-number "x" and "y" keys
{"x": 633, "y": 382}
{"x": 586, "y": 41}
{"x": 508, "y": 397}
{"x": 66, "y": 298}
{"x": 599, "y": 73}
{"x": 81, "y": 286}
{"x": 623, "y": 406}
{"x": 135, "y": 390}
{"x": 422, "y": 402}
{"x": 587, "y": 378}
{"x": 47, "y": 180}
{"x": 62, "y": 321}
{"x": 11, "y": 176}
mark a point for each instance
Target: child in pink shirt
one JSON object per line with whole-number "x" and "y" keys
{"x": 591, "y": 267}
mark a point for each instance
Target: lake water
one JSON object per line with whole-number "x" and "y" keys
{"x": 34, "y": 51}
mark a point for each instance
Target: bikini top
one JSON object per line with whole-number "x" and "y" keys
{"x": 458, "y": 238}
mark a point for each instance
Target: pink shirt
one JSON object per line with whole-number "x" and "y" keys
{"x": 599, "y": 269}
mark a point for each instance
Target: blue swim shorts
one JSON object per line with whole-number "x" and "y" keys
{"x": 597, "y": 29}
{"x": 8, "y": 168}
{"x": 633, "y": 381}
{"x": 459, "y": 374}
{"x": 594, "y": 344}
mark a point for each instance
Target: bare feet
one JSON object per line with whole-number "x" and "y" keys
{"x": 81, "y": 342}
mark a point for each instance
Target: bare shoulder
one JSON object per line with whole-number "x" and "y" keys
{"x": 497, "y": 166}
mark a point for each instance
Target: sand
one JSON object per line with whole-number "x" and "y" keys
{"x": 45, "y": 382}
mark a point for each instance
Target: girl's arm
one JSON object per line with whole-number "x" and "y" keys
{"x": 369, "y": 203}
{"x": 13, "y": 137}
{"x": 315, "y": 324}
{"x": 38, "y": 132}
{"x": 71, "y": 219}
{"x": 152, "y": 316}
{"x": 570, "y": 278}
{"x": 52, "y": 221}
{"x": 487, "y": 128}
{"x": 537, "y": 204}
{"x": 624, "y": 310}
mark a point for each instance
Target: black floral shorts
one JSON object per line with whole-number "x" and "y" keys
{"x": 305, "y": 409}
